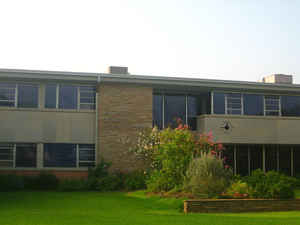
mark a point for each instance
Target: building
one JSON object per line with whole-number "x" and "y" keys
{"x": 65, "y": 122}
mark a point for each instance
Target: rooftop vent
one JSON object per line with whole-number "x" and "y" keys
{"x": 278, "y": 79}
{"x": 118, "y": 70}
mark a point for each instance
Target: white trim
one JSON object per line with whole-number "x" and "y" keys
{"x": 211, "y": 102}
{"x": 292, "y": 161}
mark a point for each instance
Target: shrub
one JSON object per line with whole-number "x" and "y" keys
{"x": 94, "y": 174}
{"x": 11, "y": 182}
{"x": 271, "y": 185}
{"x": 45, "y": 181}
{"x": 207, "y": 175}
{"x": 72, "y": 185}
{"x": 135, "y": 181}
{"x": 112, "y": 182}
{"x": 168, "y": 153}
{"x": 238, "y": 189}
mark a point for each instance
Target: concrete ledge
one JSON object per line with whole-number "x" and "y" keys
{"x": 240, "y": 205}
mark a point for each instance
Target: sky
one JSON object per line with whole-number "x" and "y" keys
{"x": 214, "y": 39}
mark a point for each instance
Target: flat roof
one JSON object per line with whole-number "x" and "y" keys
{"x": 164, "y": 81}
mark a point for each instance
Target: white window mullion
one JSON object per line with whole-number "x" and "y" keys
{"x": 226, "y": 104}
{"x": 77, "y": 156}
{"x": 57, "y": 96}
{"x": 16, "y": 96}
{"x": 14, "y": 155}
{"x": 212, "y": 102}
{"x": 264, "y": 105}
{"x": 78, "y": 98}
{"x": 279, "y": 105}
{"x": 242, "y": 104}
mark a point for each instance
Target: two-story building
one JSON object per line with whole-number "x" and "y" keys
{"x": 65, "y": 122}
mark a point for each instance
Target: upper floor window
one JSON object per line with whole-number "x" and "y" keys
{"x": 290, "y": 105}
{"x": 233, "y": 103}
{"x": 70, "y": 96}
{"x": 253, "y": 104}
{"x": 19, "y": 95}
{"x": 272, "y": 105}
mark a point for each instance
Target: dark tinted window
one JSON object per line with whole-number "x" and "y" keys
{"x": 219, "y": 103}
{"x": 296, "y": 160}
{"x": 175, "y": 108}
{"x": 290, "y": 105}
{"x": 25, "y": 155}
{"x": 59, "y": 155}
{"x": 7, "y": 94}
{"x": 285, "y": 159}
{"x": 253, "y": 104}
{"x": 86, "y": 155}
{"x": 6, "y": 155}
{"x": 234, "y": 103}
{"x": 27, "y": 96}
{"x": 68, "y": 97}
{"x": 50, "y": 101}
{"x": 271, "y": 157}
{"x": 256, "y": 157}
{"x": 197, "y": 105}
{"x": 87, "y": 97}
{"x": 272, "y": 105}
{"x": 242, "y": 160}
{"x": 157, "y": 110}
{"x": 228, "y": 155}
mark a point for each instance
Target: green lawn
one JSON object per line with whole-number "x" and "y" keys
{"x": 39, "y": 208}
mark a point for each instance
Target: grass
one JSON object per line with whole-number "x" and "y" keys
{"x": 82, "y": 208}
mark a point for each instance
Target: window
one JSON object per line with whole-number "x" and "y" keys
{"x": 271, "y": 157}
{"x": 242, "y": 160}
{"x": 6, "y": 155}
{"x": 7, "y": 94}
{"x": 290, "y": 105}
{"x": 69, "y": 155}
{"x": 59, "y": 155}
{"x": 234, "y": 103}
{"x": 272, "y": 105}
{"x": 174, "y": 108}
{"x": 70, "y": 97}
{"x": 157, "y": 111}
{"x": 87, "y": 97}
{"x": 86, "y": 155}
{"x": 28, "y": 96}
{"x": 51, "y": 95}
{"x": 18, "y": 155}
{"x": 219, "y": 103}
{"x": 26, "y": 155}
{"x": 253, "y": 104}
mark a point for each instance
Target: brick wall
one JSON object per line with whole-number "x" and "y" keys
{"x": 124, "y": 109}
{"x": 240, "y": 205}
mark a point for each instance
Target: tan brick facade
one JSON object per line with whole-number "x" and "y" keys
{"x": 123, "y": 110}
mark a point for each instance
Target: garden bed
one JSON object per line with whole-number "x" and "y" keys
{"x": 240, "y": 205}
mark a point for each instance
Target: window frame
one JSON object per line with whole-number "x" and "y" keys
{"x": 279, "y": 106}
{"x": 77, "y": 108}
{"x": 14, "y": 160}
{"x": 16, "y": 97}
{"x": 241, "y": 109}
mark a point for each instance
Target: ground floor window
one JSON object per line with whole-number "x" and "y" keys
{"x": 18, "y": 155}
{"x": 60, "y": 155}
{"x": 244, "y": 158}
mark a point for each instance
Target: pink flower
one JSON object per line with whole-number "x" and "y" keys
{"x": 220, "y": 146}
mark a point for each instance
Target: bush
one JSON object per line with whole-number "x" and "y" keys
{"x": 112, "y": 182}
{"x": 168, "y": 153}
{"x": 238, "y": 189}
{"x": 94, "y": 174}
{"x": 72, "y": 185}
{"x": 207, "y": 175}
{"x": 135, "y": 181}
{"x": 271, "y": 185}
{"x": 45, "y": 181}
{"x": 11, "y": 182}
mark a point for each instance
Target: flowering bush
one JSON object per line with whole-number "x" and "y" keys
{"x": 168, "y": 153}
{"x": 207, "y": 175}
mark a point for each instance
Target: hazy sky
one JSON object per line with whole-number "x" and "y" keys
{"x": 232, "y": 39}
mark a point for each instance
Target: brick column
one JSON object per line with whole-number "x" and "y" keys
{"x": 124, "y": 109}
